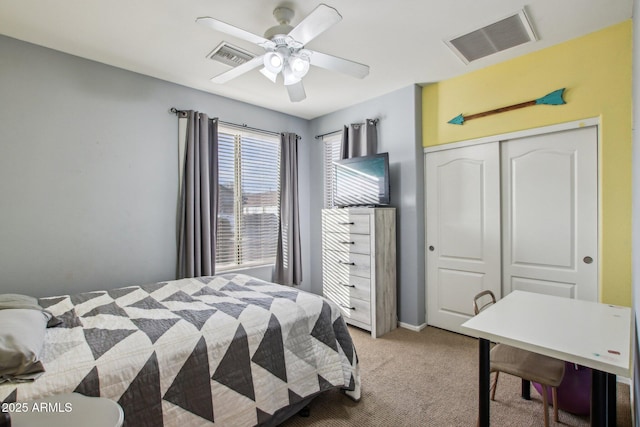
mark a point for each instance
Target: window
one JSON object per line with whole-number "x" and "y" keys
{"x": 249, "y": 198}
{"x": 332, "y": 146}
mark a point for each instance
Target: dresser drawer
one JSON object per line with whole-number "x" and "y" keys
{"x": 347, "y": 287}
{"x": 340, "y": 221}
{"x": 344, "y": 264}
{"x": 348, "y": 242}
{"x": 352, "y": 308}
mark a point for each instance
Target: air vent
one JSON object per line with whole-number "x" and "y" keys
{"x": 230, "y": 55}
{"x": 509, "y": 32}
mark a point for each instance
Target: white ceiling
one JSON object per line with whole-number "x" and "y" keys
{"x": 402, "y": 41}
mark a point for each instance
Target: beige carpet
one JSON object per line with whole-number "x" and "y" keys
{"x": 430, "y": 378}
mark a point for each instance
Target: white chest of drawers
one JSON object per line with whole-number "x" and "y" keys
{"x": 359, "y": 265}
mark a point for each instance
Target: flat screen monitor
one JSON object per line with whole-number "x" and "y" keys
{"x": 362, "y": 181}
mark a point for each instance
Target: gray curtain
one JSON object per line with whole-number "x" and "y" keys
{"x": 199, "y": 198}
{"x": 288, "y": 269}
{"x": 359, "y": 139}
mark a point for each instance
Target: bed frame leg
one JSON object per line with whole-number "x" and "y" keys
{"x": 305, "y": 412}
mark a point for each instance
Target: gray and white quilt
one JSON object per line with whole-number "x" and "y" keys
{"x": 222, "y": 350}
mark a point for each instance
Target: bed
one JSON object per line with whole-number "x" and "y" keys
{"x": 220, "y": 350}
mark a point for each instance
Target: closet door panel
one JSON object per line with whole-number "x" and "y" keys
{"x": 463, "y": 231}
{"x": 550, "y": 222}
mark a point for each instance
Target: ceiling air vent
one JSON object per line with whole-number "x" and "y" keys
{"x": 230, "y": 55}
{"x": 511, "y": 31}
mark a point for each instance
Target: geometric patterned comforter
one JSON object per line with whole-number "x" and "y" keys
{"x": 222, "y": 350}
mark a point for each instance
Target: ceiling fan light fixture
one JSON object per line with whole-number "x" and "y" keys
{"x": 268, "y": 74}
{"x": 273, "y": 61}
{"x": 299, "y": 65}
{"x": 289, "y": 76}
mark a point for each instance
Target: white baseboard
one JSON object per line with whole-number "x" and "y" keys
{"x": 624, "y": 380}
{"x": 412, "y": 327}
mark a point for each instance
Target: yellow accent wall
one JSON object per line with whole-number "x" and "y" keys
{"x": 596, "y": 71}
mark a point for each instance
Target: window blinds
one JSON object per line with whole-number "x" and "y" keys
{"x": 249, "y": 198}
{"x": 332, "y": 145}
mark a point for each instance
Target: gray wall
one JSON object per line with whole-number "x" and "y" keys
{"x": 399, "y": 133}
{"x": 636, "y": 205}
{"x": 88, "y": 175}
{"x": 88, "y": 171}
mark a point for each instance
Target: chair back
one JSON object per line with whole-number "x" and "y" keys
{"x": 483, "y": 300}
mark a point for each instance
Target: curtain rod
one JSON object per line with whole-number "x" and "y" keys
{"x": 373, "y": 121}
{"x": 242, "y": 126}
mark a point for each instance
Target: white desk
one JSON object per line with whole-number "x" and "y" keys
{"x": 590, "y": 334}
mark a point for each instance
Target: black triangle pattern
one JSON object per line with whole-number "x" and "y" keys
{"x": 270, "y": 352}
{"x": 180, "y": 296}
{"x": 69, "y": 319}
{"x": 205, "y": 279}
{"x": 87, "y": 296}
{"x": 352, "y": 383}
{"x": 343, "y": 338}
{"x": 322, "y": 331}
{"x": 102, "y": 340}
{"x": 120, "y": 292}
{"x": 112, "y": 309}
{"x": 154, "y": 328}
{"x": 292, "y": 295}
{"x": 196, "y": 317}
{"x": 144, "y": 409}
{"x": 324, "y": 384}
{"x": 255, "y": 283}
{"x": 234, "y": 310}
{"x": 233, "y": 287}
{"x": 152, "y": 287}
{"x": 148, "y": 303}
{"x": 208, "y": 291}
{"x": 237, "y": 359}
{"x": 263, "y": 417}
{"x": 260, "y": 302}
{"x": 11, "y": 398}
{"x": 191, "y": 389}
{"x": 294, "y": 397}
{"x": 90, "y": 385}
{"x": 48, "y": 302}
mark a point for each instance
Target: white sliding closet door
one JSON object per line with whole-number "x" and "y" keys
{"x": 463, "y": 230}
{"x": 550, "y": 214}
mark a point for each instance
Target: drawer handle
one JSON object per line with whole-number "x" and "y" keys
{"x": 348, "y": 243}
{"x": 347, "y": 285}
{"x": 346, "y": 263}
{"x": 346, "y": 223}
{"x": 346, "y": 306}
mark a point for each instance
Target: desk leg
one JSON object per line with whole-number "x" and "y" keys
{"x": 526, "y": 389}
{"x": 603, "y": 399}
{"x": 484, "y": 374}
{"x": 611, "y": 400}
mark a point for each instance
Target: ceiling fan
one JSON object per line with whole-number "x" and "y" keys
{"x": 284, "y": 49}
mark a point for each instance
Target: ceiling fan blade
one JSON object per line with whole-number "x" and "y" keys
{"x": 334, "y": 63}
{"x": 239, "y": 70}
{"x": 296, "y": 92}
{"x": 314, "y": 24}
{"x": 233, "y": 31}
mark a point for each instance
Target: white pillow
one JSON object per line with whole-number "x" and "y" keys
{"x": 21, "y": 341}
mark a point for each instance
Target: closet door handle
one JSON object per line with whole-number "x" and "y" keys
{"x": 431, "y": 248}
{"x": 587, "y": 260}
